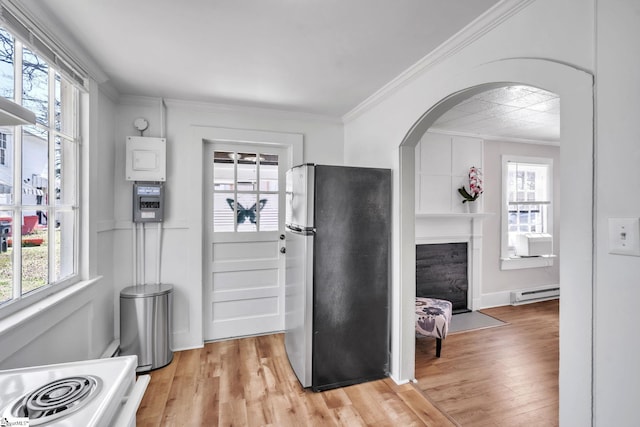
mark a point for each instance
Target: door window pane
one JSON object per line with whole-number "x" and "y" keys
{"x": 269, "y": 172}
{"x": 223, "y": 212}
{"x": 269, "y": 212}
{"x": 247, "y": 212}
{"x": 239, "y": 203}
{"x": 247, "y": 172}
{"x": 223, "y": 171}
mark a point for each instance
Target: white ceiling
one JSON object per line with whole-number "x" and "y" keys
{"x": 314, "y": 56}
{"x": 512, "y": 112}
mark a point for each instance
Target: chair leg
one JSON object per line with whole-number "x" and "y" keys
{"x": 438, "y": 346}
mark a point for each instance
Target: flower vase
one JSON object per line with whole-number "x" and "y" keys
{"x": 472, "y": 207}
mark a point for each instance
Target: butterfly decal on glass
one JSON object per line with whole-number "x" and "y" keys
{"x": 245, "y": 214}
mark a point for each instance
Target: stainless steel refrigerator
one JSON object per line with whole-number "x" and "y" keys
{"x": 337, "y": 294}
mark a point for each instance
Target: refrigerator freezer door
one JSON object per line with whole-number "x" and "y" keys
{"x": 300, "y": 199}
{"x": 298, "y": 304}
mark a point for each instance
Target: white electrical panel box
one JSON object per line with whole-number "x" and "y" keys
{"x": 146, "y": 159}
{"x": 534, "y": 244}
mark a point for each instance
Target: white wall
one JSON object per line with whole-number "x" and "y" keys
{"x": 181, "y": 264}
{"x": 436, "y": 193}
{"x": 617, "y": 290}
{"x": 539, "y": 30}
{"x": 442, "y": 166}
{"x": 494, "y": 280}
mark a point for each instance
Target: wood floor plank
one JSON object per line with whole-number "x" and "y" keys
{"x": 505, "y": 376}
{"x": 249, "y": 382}
{"x": 498, "y": 376}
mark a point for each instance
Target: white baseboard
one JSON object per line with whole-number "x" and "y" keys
{"x": 495, "y": 299}
{"x": 499, "y": 299}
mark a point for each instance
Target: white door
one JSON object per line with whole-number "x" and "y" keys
{"x": 244, "y": 216}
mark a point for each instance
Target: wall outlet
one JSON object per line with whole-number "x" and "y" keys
{"x": 624, "y": 236}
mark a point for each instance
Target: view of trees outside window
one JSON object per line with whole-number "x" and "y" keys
{"x": 245, "y": 189}
{"x": 38, "y": 178}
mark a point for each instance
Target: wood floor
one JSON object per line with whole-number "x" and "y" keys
{"x": 248, "y": 382}
{"x": 505, "y": 376}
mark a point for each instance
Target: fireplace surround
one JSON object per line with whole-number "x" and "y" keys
{"x": 446, "y": 228}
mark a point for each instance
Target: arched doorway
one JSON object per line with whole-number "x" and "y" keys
{"x": 575, "y": 90}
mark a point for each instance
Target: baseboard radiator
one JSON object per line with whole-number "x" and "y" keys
{"x": 526, "y": 296}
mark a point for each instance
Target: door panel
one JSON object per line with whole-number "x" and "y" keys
{"x": 244, "y": 268}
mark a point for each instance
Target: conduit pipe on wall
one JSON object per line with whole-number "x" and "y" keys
{"x": 134, "y": 249}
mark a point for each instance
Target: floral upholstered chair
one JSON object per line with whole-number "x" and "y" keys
{"x": 433, "y": 317}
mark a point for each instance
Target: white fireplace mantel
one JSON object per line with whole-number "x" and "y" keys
{"x": 434, "y": 228}
{"x": 478, "y": 215}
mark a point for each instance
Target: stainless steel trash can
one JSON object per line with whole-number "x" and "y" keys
{"x": 145, "y": 325}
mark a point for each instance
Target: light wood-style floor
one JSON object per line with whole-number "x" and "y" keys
{"x": 248, "y": 382}
{"x": 505, "y": 376}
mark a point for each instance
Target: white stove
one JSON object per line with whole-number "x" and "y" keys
{"x": 91, "y": 393}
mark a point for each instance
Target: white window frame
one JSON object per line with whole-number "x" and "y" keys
{"x": 508, "y": 261}
{"x": 72, "y": 135}
{"x": 3, "y": 149}
{"x": 237, "y": 191}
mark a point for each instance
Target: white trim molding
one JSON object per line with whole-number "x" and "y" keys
{"x": 502, "y": 11}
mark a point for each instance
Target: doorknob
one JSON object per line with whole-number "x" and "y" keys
{"x": 283, "y": 250}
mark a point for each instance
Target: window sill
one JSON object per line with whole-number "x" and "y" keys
{"x": 516, "y": 263}
{"x": 24, "y": 315}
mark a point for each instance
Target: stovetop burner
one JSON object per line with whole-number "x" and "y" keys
{"x": 56, "y": 399}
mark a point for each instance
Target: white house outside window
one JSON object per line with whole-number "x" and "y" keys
{"x": 39, "y": 206}
{"x": 527, "y": 207}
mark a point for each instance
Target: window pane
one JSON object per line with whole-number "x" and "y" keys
{"x": 223, "y": 171}
{"x": 35, "y": 169}
{"x": 65, "y": 238}
{"x": 6, "y": 167}
{"x": 35, "y": 86}
{"x": 223, "y": 212}
{"x": 65, "y": 172}
{"x": 268, "y": 172}
{"x": 35, "y": 255}
{"x": 7, "y": 49}
{"x": 65, "y": 106}
{"x": 247, "y": 172}
{"x": 247, "y": 207}
{"x": 6, "y": 257}
{"x": 235, "y": 179}
{"x": 268, "y": 212}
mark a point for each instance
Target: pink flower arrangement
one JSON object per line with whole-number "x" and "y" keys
{"x": 475, "y": 186}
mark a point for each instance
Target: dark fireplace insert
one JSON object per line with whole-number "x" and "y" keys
{"x": 441, "y": 272}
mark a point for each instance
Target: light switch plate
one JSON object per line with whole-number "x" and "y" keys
{"x": 624, "y": 236}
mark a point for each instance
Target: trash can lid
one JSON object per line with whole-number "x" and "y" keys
{"x": 142, "y": 291}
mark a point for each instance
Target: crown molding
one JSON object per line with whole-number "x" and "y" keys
{"x": 41, "y": 20}
{"x": 463, "y": 38}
